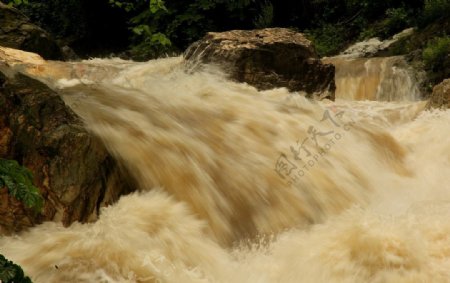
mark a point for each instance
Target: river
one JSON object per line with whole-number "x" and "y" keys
{"x": 240, "y": 185}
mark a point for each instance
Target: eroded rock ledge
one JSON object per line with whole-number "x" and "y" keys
{"x": 267, "y": 58}
{"x": 72, "y": 168}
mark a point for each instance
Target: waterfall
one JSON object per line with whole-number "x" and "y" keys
{"x": 378, "y": 78}
{"x": 375, "y": 78}
{"x": 240, "y": 185}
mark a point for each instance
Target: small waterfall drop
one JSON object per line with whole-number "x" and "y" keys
{"x": 362, "y": 76}
{"x": 377, "y": 79}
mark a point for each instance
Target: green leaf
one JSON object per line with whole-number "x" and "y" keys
{"x": 160, "y": 39}
{"x": 11, "y": 272}
{"x": 7, "y": 273}
{"x": 157, "y": 5}
{"x": 142, "y": 30}
{"x": 17, "y": 3}
{"x": 137, "y": 30}
{"x": 19, "y": 181}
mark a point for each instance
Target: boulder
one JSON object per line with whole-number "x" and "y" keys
{"x": 16, "y": 31}
{"x": 72, "y": 169}
{"x": 267, "y": 58}
{"x": 440, "y": 97}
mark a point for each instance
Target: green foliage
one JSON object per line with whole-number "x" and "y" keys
{"x": 367, "y": 33}
{"x": 156, "y": 27}
{"x": 328, "y": 39}
{"x": 436, "y": 58}
{"x": 19, "y": 181}
{"x": 149, "y": 41}
{"x": 61, "y": 18}
{"x": 265, "y": 18}
{"x": 435, "y": 9}
{"x": 11, "y": 272}
{"x": 160, "y": 27}
{"x": 123, "y": 5}
{"x": 157, "y": 5}
{"x": 18, "y": 3}
{"x": 396, "y": 20}
{"x": 344, "y": 21}
{"x": 401, "y": 47}
{"x": 436, "y": 53}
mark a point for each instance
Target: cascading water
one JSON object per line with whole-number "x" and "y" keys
{"x": 374, "y": 78}
{"x": 379, "y": 78}
{"x": 245, "y": 186}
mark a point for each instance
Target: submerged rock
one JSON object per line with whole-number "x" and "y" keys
{"x": 72, "y": 169}
{"x": 16, "y": 31}
{"x": 267, "y": 58}
{"x": 440, "y": 98}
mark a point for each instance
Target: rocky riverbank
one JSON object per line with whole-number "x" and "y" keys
{"x": 72, "y": 169}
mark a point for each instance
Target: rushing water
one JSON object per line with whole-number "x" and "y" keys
{"x": 238, "y": 185}
{"x": 379, "y": 78}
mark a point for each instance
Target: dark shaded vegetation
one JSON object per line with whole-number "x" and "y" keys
{"x": 155, "y": 27}
{"x": 11, "y": 272}
{"x": 374, "y": 19}
{"x": 436, "y": 58}
{"x": 91, "y": 28}
{"x": 429, "y": 47}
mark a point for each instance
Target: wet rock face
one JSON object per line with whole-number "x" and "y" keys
{"x": 16, "y": 31}
{"x": 71, "y": 168}
{"x": 267, "y": 58}
{"x": 440, "y": 98}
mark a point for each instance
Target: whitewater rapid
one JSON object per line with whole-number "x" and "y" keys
{"x": 237, "y": 185}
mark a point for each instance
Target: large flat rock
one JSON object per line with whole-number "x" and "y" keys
{"x": 267, "y": 58}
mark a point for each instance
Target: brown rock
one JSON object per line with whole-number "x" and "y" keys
{"x": 13, "y": 214}
{"x": 440, "y": 97}
{"x": 5, "y": 140}
{"x": 267, "y": 58}
{"x": 16, "y": 31}
{"x": 72, "y": 169}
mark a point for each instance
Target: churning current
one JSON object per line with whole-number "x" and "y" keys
{"x": 237, "y": 185}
